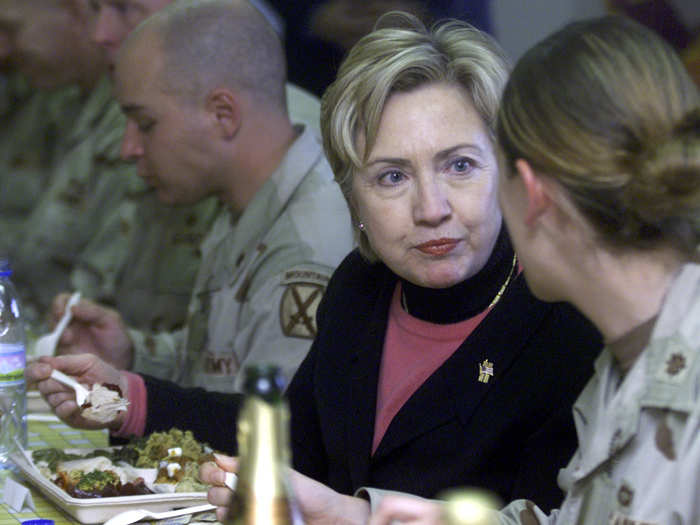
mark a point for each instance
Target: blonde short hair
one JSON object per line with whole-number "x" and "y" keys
{"x": 606, "y": 107}
{"x": 401, "y": 55}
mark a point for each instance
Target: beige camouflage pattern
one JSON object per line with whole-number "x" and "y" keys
{"x": 86, "y": 182}
{"x": 260, "y": 281}
{"x": 30, "y": 137}
{"x": 145, "y": 264}
{"x": 151, "y": 281}
{"x": 304, "y": 108}
{"x": 638, "y": 460}
{"x": 98, "y": 228}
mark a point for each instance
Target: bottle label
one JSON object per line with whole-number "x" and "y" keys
{"x": 12, "y": 363}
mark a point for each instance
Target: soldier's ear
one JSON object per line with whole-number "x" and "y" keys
{"x": 538, "y": 198}
{"x": 223, "y": 106}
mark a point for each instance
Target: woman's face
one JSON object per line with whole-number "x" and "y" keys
{"x": 428, "y": 194}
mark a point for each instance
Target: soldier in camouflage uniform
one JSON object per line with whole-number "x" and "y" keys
{"x": 261, "y": 280}
{"x": 87, "y": 181}
{"x": 81, "y": 217}
{"x": 98, "y": 228}
{"x": 32, "y": 118}
{"x": 29, "y": 138}
{"x": 150, "y": 282}
{"x": 114, "y": 21}
{"x": 145, "y": 264}
{"x": 53, "y": 69}
{"x": 284, "y": 226}
{"x": 150, "y": 279}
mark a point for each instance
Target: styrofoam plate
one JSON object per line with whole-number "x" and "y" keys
{"x": 99, "y": 510}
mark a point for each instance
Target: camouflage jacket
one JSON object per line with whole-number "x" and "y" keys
{"x": 261, "y": 279}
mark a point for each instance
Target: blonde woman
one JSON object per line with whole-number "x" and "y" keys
{"x": 599, "y": 130}
{"x": 433, "y": 364}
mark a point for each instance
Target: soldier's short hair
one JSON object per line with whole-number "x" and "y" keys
{"x": 218, "y": 43}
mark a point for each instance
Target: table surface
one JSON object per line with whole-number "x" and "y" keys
{"x": 45, "y": 434}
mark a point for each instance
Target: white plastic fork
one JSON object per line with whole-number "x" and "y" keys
{"x": 231, "y": 480}
{"x": 134, "y": 515}
{"x": 81, "y": 393}
{"x": 46, "y": 344}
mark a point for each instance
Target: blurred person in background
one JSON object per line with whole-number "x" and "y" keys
{"x": 46, "y": 144}
{"x": 74, "y": 211}
{"x": 31, "y": 118}
{"x": 49, "y": 67}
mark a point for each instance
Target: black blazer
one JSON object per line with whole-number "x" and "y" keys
{"x": 510, "y": 435}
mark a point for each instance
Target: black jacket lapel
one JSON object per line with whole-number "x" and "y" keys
{"x": 455, "y": 390}
{"x": 363, "y": 375}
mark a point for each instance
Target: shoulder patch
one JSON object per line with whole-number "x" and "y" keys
{"x": 305, "y": 276}
{"x": 298, "y": 309}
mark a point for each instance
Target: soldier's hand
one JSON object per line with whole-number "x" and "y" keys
{"x": 87, "y": 369}
{"x": 405, "y": 509}
{"x": 94, "y": 329}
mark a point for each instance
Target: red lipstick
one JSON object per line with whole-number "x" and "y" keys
{"x": 438, "y": 246}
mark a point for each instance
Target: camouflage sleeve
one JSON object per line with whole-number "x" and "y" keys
{"x": 159, "y": 355}
{"x": 101, "y": 262}
{"x": 278, "y": 321}
{"x": 304, "y": 108}
{"x": 87, "y": 184}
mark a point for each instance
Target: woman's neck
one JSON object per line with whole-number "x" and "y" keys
{"x": 467, "y": 298}
{"x": 620, "y": 293}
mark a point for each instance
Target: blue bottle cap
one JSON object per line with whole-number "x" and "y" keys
{"x": 38, "y": 521}
{"x": 5, "y": 269}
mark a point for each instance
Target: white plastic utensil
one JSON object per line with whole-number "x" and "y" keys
{"x": 231, "y": 480}
{"x": 81, "y": 393}
{"x": 46, "y": 344}
{"x": 134, "y": 515}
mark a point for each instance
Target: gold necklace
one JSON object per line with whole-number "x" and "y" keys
{"x": 497, "y": 298}
{"x": 503, "y": 288}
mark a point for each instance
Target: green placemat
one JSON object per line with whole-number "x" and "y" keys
{"x": 49, "y": 434}
{"x": 56, "y": 434}
{"x": 44, "y": 508}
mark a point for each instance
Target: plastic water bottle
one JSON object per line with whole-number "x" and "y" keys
{"x": 13, "y": 399}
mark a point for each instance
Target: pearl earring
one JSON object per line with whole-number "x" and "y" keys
{"x": 361, "y": 226}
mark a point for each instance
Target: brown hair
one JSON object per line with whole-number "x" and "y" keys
{"x": 607, "y": 108}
